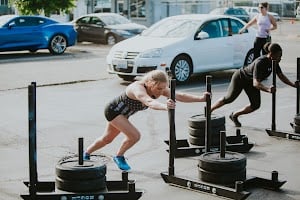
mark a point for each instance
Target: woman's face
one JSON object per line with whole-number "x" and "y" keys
{"x": 262, "y": 9}
{"x": 277, "y": 56}
{"x": 158, "y": 88}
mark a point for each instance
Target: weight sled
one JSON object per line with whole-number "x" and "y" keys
{"x": 280, "y": 133}
{"x": 121, "y": 189}
{"x": 233, "y": 190}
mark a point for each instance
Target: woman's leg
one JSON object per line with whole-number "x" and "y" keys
{"x": 109, "y": 135}
{"x": 258, "y": 47}
{"x": 132, "y": 135}
{"x": 233, "y": 91}
{"x": 254, "y": 98}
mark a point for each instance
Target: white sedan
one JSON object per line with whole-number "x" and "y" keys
{"x": 186, "y": 45}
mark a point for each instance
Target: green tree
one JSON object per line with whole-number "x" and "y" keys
{"x": 47, "y": 7}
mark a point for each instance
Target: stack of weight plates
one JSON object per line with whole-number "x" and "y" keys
{"x": 88, "y": 177}
{"x": 197, "y": 129}
{"x": 225, "y": 171}
{"x": 296, "y": 126}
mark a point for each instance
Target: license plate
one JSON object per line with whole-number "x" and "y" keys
{"x": 121, "y": 64}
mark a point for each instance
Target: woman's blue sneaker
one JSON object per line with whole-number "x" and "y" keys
{"x": 86, "y": 156}
{"x": 121, "y": 162}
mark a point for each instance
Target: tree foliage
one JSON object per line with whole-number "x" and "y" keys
{"x": 47, "y": 7}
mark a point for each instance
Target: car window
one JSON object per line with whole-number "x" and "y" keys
{"x": 226, "y": 31}
{"x": 236, "y": 26}
{"x": 28, "y": 21}
{"x": 173, "y": 28}
{"x": 96, "y": 21}
{"x": 213, "y": 29}
{"x": 84, "y": 20}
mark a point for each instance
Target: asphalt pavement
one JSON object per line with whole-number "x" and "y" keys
{"x": 66, "y": 112}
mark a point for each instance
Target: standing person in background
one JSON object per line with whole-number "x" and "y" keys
{"x": 265, "y": 23}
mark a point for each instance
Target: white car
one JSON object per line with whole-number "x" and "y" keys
{"x": 253, "y": 11}
{"x": 186, "y": 45}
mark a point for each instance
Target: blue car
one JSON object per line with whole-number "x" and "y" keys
{"x": 35, "y": 32}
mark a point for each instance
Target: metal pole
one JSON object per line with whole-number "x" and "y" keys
{"x": 298, "y": 88}
{"x": 80, "y": 151}
{"x": 274, "y": 96}
{"x": 222, "y": 144}
{"x": 208, "y": 115}
{"x": 33, "y": 177}
{"x": 172, "y": 145}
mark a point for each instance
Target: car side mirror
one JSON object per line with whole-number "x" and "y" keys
{"x": 12, "y": 24}
{"x": 202, "y": 35}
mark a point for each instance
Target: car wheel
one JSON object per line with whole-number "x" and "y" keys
{"x": 32, "y": 50}
{"x": 181, "y": 68}
{"x": 58, "y": 44}
{"x": 249, "y": 58}
{"x": 126, "y": 77}
{"x": 111, "y": 39}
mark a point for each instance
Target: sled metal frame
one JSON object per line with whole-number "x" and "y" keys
{"x": 37, "y": 190}
{"x": 238, "y": 143}
{"x": 232, "y": 192}
{"x": 280, "y": 133}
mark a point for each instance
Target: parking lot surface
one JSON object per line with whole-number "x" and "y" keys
{"x": 67, "y": 112}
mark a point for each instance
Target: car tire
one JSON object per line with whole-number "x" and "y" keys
{"x": 249, "y": 58}
{"x": 32, "y": 50}
{"x": 111, "y": 39}
{"x": 181, "y": 68}
{"x": 58, "y": 44}
{"x": 127, "y": 77}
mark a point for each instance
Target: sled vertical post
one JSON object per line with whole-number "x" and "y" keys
{"x": 273, "y": 126}
{"x": 172, "y": 146}
{"x": 33, "y": 177}
{"x": 298, "y": 88}
{"x": 208, "y": 115}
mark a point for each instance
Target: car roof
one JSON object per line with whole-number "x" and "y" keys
{"x": 101, "y": 14}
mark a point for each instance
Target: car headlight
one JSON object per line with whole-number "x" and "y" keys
{"x": 152, "y": 53}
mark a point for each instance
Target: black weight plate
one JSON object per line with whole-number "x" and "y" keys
{"x": 296, "y": 128}
{"x": 201, "y": 141}
{"x": 91, "y": 185}
{"x": 213, "y": 162}
{"x": 297, "y": 119}
{"x": 198, "y": 121}
{"x": 69, "y": 169}
{"x": 225, "y": 178}
{"x": 200, "y": 132}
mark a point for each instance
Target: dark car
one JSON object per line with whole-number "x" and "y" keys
{"x": 107, "y": 28}
{"x": 232, "y": 11}
{"x": 35, "y": 32}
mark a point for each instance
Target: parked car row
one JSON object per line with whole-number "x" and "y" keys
{"x": 185, "y": 44}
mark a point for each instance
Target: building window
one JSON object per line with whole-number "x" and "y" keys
{"x": 4, "y": 2}
{"x": 137, "y": 8}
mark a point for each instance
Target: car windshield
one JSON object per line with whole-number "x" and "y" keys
{"x": 173, "y": 28}
{"x": 236, "y": 12}
{"x": 114, "y": 19}
{"x": 5, "y": 18}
